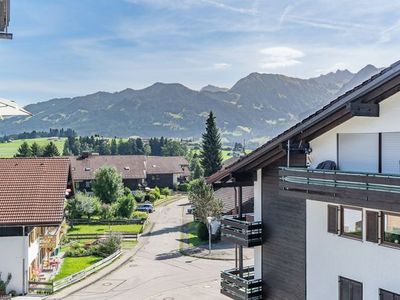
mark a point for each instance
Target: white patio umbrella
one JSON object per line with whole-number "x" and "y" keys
{"x": 11, "y": 108}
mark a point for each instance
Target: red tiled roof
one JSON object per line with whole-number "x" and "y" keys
{"x": 129, "y": 166}
{"x": 167, "y": 165}
{"x": 32, "y": 190}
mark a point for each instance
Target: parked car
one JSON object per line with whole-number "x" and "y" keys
{"x": 146, "y": 207}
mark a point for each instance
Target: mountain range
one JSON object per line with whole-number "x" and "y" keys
{"x": 258, "y": 106}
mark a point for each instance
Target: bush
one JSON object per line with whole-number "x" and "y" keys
{"x": 139, "y": 196}
{"x": 141, "y": 215}
{"x": 183, "y": 187}
{"x": 77, "y": 250}
{"x": 125, "y": 205}
{"x": 151, "y": 197}
{"x": 166, "y": 191}
{"x": 106, "y": 247}
{"x": 202, "y": 231}
{"x": 154, "y": 194}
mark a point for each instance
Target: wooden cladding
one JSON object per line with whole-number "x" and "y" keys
{"x": 350, "y": 289}
{"x": 333, "y": 219}
{"x": 372, "y": 226}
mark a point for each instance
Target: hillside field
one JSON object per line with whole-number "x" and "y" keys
{"x": 9, "y": 149}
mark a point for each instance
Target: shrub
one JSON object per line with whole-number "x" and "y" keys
{"x": 141, "y": 215}
{"x": 77, "y": 250}
{"x": 139, "y": 196}
{"x": 202, "y": 231}
{"x": 106, "y": 247}
{"x": 156, "y": 191}
{"x": 125, "y": 205}
{"x": 4, "y": 284}
{"x": 151, "y": 197}
{"x": 183, "y": 187}
{"x": 166, "y": 191}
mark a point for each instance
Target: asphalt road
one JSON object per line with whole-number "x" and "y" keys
{"x": 159, "y": 271}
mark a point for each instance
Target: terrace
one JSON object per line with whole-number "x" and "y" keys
{"x": 355, "y": 188}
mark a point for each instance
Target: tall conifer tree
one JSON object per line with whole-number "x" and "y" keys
{"x": 211, "y": 154}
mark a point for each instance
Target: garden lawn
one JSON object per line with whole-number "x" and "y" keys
{"x": 192, "y": 234}
{"x": 85, "y": 229}
{"x": 72, "y": 265}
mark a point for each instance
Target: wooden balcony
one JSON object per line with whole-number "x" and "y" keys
{"x": 241, "y": 232}
{"x": 375, "y": 190}
{"x": 243, "y": 287}
{"x": 51, "y": 238}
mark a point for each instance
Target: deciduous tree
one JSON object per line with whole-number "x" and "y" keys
{"x": 107, "y": 184}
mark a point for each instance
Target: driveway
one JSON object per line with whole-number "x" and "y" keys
{"x": 159, "y": 271}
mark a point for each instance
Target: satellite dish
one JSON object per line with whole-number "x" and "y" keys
{"x": 5, "y": 19}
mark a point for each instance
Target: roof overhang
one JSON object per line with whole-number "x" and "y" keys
{"x": 362, "y": 100}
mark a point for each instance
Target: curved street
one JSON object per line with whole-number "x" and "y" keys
{"x": 158, "y": 270}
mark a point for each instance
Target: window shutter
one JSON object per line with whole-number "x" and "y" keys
{"x": 357, "y": 293}
{"x": 350, "y": 289}
{"x": 386, "y": 295}
{"x": 333, "y": 219}
{"x": 344, "y": 289}
{"x": 372, "y": 226}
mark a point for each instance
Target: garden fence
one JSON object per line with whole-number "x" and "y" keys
{"x": 52, "y": 287}
{"x": 95, "y": 236}
{"x": 73, "y": 222}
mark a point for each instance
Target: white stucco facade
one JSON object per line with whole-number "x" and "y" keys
{"x": 324, "y": 147}
{"x": 330, "y": 256}
{"x": 13, "y": 259}
{"x": 258, "y": 217}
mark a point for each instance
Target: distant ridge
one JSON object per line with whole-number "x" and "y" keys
{"x": 256, "y": 107}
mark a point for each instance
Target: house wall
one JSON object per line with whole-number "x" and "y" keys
{"x": 330, "y": 256}
{"x": 284, "y": 236}
{"x": 14, "y": 253}
{"x": 165, "y": 180}
{"x": 324, "y": 147}
{"x": 132, "y": 183}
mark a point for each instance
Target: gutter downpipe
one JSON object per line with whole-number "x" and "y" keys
{"x": 288, "y": 153}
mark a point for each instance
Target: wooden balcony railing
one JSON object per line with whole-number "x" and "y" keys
{"x": 241, "y": 232}
{"x": 241, "y": 287}
{"x": 373, "y": 187}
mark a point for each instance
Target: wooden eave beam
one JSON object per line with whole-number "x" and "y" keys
{"x": 359, "y": 109}
{"x": 325, "y": 124}
{"x": 388, "y": 89}
{"x": 270, "y": 160}
{"x": 253, "y": 165}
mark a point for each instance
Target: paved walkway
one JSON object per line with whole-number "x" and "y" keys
{"x": 158, "y": 270}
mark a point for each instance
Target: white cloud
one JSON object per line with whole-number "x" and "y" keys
{"x": 221, "y": 66}
{"x": 188, "y": 4}
{"x": 278, "y": 57}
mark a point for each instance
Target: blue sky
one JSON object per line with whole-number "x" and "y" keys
{"x": 65, "y": 48}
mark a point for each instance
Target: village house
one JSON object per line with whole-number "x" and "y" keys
{"x": 32, "y": 196}
{"x": 326, "y": 203}
{"x": 136, "y": 170}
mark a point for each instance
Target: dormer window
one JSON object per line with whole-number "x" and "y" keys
{"x": 87, "y": 169}
{"x": 127, "y": 168}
